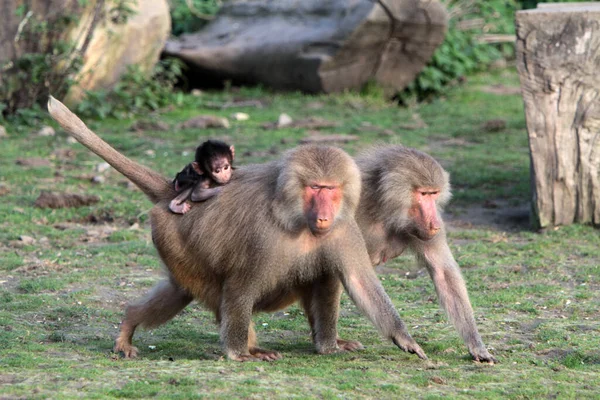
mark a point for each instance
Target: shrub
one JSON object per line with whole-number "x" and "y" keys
{"x": 463, "y": 52}
{"x": 40, "y": 46}
{"x": 136, "y": 92}
{"x": 191, "y": 15}
{"x": 46, "y": 60}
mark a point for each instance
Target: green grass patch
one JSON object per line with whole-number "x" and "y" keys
{"x": 536, "y": 296}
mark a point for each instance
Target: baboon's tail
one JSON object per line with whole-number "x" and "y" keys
{"x": 153, "y": 184}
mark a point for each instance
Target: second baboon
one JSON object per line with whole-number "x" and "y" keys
{"x": 403, "y": 193}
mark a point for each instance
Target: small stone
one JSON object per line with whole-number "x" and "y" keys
{"x": 3, "y": 132}
{"x": 98, "y": 179}
{"x": 47, "y": 131}
{"x": 240, "y": 116}
{"x": 26, "y": 239}
{"x": 102, "y": 167}
{"x": 284, "y": 120}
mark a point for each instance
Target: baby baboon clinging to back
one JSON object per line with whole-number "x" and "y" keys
{"x": 203, "y": 178}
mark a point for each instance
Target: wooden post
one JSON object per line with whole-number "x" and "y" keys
{"x": 558, "y": 58}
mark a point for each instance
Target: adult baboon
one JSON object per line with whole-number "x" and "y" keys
{"x": 403, "y": 193}
{"x": 289, "y": 233}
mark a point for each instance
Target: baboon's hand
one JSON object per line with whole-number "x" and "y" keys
{"x": 409, "y": 345}
{"x": 481, "y": 354}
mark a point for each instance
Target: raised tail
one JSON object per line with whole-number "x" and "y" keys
{"x": 153, "y": 184}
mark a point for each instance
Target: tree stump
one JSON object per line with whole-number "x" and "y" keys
{"x": 558, "y": 58}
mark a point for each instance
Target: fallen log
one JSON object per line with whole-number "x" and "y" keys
{"x": 314, "y": 45}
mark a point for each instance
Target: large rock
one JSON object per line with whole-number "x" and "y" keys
{"x": 112, "y": 47}
{"x": 115, "y": 46}
{"x": 315, "y": 45}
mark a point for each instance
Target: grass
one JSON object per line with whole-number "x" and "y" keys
{"x": 536, "y": 295}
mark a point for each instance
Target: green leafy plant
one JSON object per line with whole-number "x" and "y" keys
{"x": 191, "y": 15}
{"x": 464, "y": 50}
{"x": 136, "y": 92}
{"x": 40, "y": 48}
{"x": 47, "y": 58}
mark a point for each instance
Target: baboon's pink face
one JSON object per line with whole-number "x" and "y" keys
{"x": 424, "y": 214}
{"x": 221, "y": 170}
{"x": 322, "y": 201}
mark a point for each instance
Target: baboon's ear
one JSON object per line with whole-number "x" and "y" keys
{"x": 197, "y": 168}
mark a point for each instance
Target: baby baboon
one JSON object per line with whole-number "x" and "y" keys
{"x": 202, "y": 179}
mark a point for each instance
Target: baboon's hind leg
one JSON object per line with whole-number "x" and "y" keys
{"x": 163, "y": 303}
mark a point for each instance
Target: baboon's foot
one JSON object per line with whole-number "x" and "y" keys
{"x": 481, "y": 354}
{"x": 409, "y": 345}
{"x": 254, "y": 354}
{"x": 124, "y": 346}
{"x": 349, "y": 345}
{"x": 265, "y": 355}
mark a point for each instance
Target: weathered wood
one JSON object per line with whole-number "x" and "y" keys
{"x": 558, "y": 58}
{"x": 314, "y": 45}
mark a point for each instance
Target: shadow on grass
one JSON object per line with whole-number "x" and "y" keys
{"x": 572, "y": 358}
{"x": 172, "y": 345}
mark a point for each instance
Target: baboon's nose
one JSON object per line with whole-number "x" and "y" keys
{"x": 433, "y": 231}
